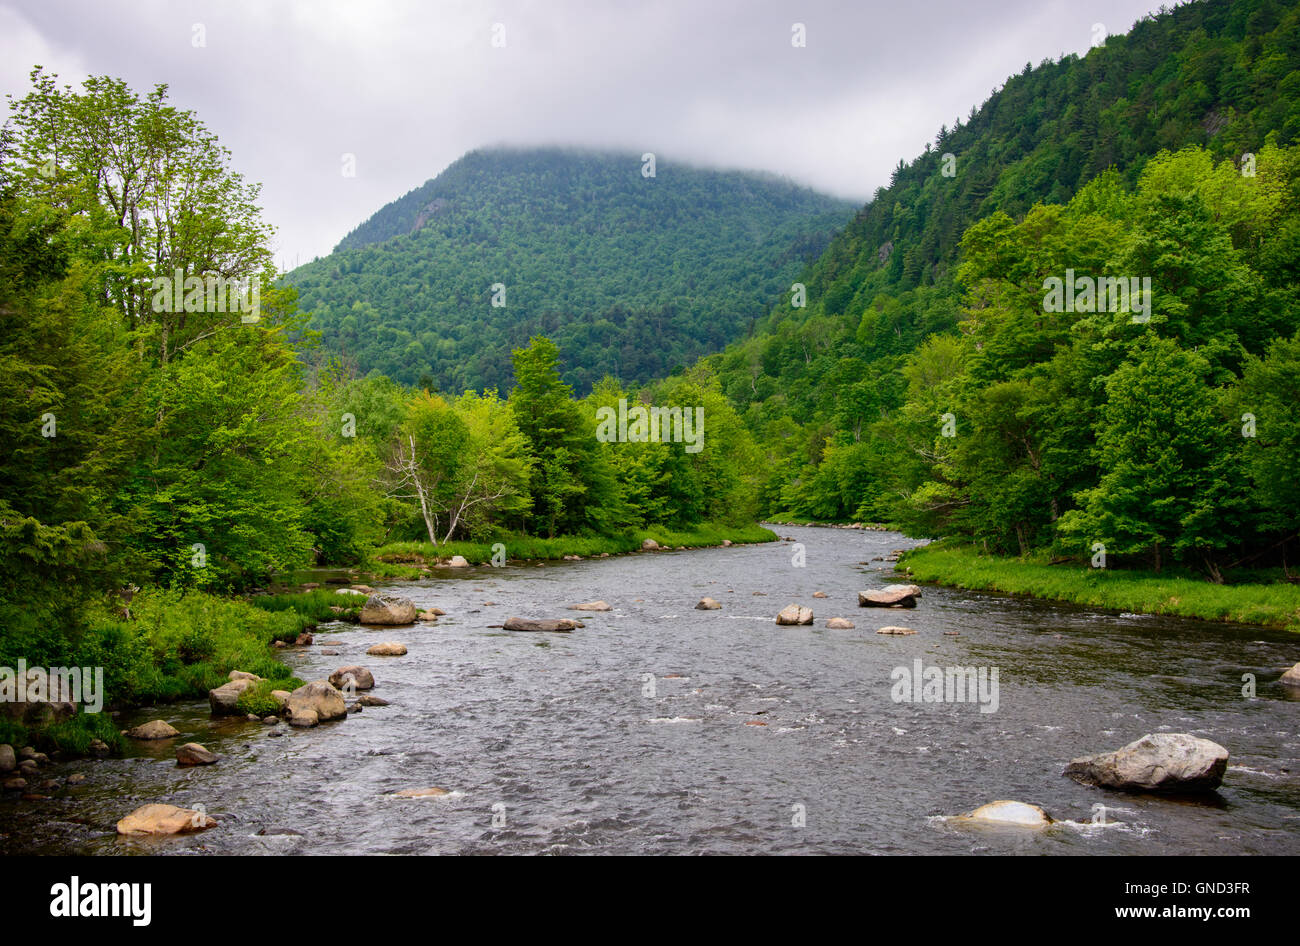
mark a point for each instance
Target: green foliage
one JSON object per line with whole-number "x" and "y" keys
{"x": 630, "y": 276}
{"x": 536, "y": 548}
{"x": 258, "y": 700}
{"x": 572, "y": 483}
{"x": 73, "y": 736}
{"x": 311, "y": 607}
{"x": 1132, "y": 160}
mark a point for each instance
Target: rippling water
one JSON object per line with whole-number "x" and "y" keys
{"x": 552, "y": 743}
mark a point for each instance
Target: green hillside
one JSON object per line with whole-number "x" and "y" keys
{"x": 630, "y": 275}
{"x": 1135, "y": 160}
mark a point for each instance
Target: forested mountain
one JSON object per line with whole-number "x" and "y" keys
{"x": 1169, "y": 154}
{"x": 631, "y": 275}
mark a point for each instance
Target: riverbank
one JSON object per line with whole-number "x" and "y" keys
{"x": 1269, "y": 605}
{"x": 177, "y": 645}
{"x": 405, "y": 560}
{"x": 784, "y": 519}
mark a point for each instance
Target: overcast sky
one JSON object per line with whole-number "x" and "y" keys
{"x": 291, "y": 87}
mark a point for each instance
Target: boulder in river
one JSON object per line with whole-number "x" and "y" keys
{"x": 896, "y": 631}
{"x": 707, "y": 604}
{"x": 388, "y": 609}
{"x": 458, "y": 561}
{"x": 591, "y": 606}
{"x": 556, "y": 624}
{"x": 223, "y": 698}
{"x": 891, "y": 596}
{"x": 1160, "y": 762}
{"x": 1014, "y": 813}
{"x": 422, "y": 793}
{"x": 356, "y": 677}
{"x": 794, "y": 614}
{"x": 1292, "y": 677}
{"x": 368, "y": 699}
{"x": 154, "y": 729}
{"x": 194, "y": 754}
{"x": 387, "y": 649}
{"x": 840, "y": 624}
{"x": 164, "y": 819}
{"x": 819, "y": 594}
{"x": 315, "y": 702}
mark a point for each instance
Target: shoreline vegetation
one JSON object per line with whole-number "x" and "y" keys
{"x": 1260, "y": 602}
{"x": 409, "y": 560}
{"x": 171, "y": 645}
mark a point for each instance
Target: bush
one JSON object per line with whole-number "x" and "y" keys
{"x": 73, "y": 735}
{"x": 258, "y": 700}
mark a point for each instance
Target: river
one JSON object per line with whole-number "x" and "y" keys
{"x": 639, "y": 732}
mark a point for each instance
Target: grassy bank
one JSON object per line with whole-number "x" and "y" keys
{"x": 1269, "y": 604}
{"x": 177, "y": 645}
{"x": 403, "y": 559}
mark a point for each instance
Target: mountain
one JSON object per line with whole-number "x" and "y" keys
{"x": 932, "y": 383}
{"x": 631, "y": 275}
{"x": 1219, "y": 75}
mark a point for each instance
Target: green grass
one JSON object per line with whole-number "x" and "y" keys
{"x": 399, "y": 559}
{"x": 311, "y": 607}
{"x": 71, "y": 736}
{"x": 1275, "y": 604}
{"x": 258, "y": 700}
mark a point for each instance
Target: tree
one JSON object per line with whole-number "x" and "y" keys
{"x": 1160, "y": 446}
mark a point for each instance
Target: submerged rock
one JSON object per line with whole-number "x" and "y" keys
{"x": 387, "y": 649}
{"x": 840, "y": 624}
{"x": 1160, "y": 762}
{"x": 794, "y": 614}
{"x": 1292, "y": 677}
{"x": 891, "y": 596}
{"x": 1017, "y": 813}
{"x": 356, "y": 677}
{"x": 154, "y": 729}
{"x": 421, "y": 793}
{"x": 194, "y": 754}
{"x": 164, "y": 819}
{"x": 591, "y": 606}
{"x": 388, "y": 610}
{"x": 315, "y": 702}
{"x": 223, "y": 698}
{"x": 556, "y": 624}
{"x": 707, "y": 604}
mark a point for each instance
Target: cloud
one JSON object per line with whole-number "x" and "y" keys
{"x": 408, "y": 87}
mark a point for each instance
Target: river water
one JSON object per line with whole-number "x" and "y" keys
{"x": 639, "y": 732}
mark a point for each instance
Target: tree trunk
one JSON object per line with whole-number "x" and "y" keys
{"x": 419, "y": 491}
